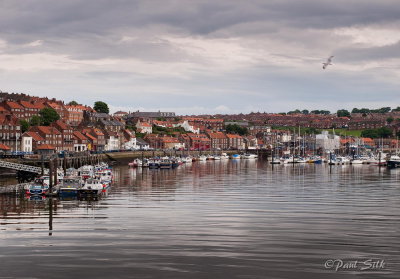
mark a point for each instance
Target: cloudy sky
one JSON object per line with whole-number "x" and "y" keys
{"x": 197, "y": 57}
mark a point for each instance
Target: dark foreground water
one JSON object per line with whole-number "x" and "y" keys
{"x": 227, "y": 219}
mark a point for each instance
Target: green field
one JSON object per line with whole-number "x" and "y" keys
{"x": 345, "y": 132}
{"x": 341, "y": 132}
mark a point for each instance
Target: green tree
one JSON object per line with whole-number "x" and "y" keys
{"x": 382, "y": 132}
{"x": 305, "y": 111}
{"x": 343, "y": 113}
{"x": 297, "y": 111}
{"x": 73, "y": 103}
{"x": 236, "y": 129}
{"x": 396, "y": 109}
{"x": 24, "y": 125}
{"x": 101, "y": 107}
{"x": 389, "y": 119}
{"x": 48, "y": 116}
{"x": 35, "y": 120}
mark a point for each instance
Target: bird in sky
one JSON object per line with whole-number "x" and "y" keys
{"x": 328, "y": 62}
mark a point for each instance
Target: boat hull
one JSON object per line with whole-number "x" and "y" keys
{"x": 393, "y": 164}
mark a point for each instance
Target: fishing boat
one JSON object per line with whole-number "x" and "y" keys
{"x": 145, "y": 163}
{"x": 70, "y": 186}
{"x": 105, "y": 176}
{"x": 86, "y": 171}
{"x": 165, "y": 164}
{"x": 154, "y": 163}
{"x": 40, "y": 186}
{"x": 92, "y": 186}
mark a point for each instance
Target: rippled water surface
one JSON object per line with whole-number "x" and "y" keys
{"x": 222, "y": 219}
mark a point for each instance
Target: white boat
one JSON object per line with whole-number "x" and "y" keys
{"x": 301, "y": 160}
{"x": 202, "y": 158}
{"x": 275, "y": 161}
{"x": 357, "y": 162}
{"x": 394, "y": 161}
{"x": 224, "y": 156}
{"x": 70, "y": 186}
{"x": 105, "y": 176}
{"x": 249, "y": 156}
{"x": 93, "y": 186}
{"x": 187, "y": 160}
{"x": 86, "y": 171}
{"x": 210, "y": 157}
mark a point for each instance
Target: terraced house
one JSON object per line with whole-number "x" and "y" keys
{"x": 10, "y": 132}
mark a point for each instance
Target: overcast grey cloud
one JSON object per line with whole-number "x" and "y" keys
{"x": 203, "y": 56}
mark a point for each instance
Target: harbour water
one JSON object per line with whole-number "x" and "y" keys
{"x": 213, "y": 219}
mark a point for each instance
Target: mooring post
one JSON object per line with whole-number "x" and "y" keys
{"x": 65, "y": 164}
{"x": 50, "y": 175}
{"x": 42, "y": 166}
{"x": 55, "y": 170}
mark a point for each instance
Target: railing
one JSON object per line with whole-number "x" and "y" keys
{"x": 15, "y": 166}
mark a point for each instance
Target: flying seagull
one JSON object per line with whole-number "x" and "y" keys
{"x": 328, "y": 62}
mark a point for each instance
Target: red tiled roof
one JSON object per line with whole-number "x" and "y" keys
{"x": 45, "y": 147}
{"x": 217, "y": 135}
{"x": 13, "y": 105}
{"x": 90, "y": 136}
{"x": 26, "y": 104}
{"x": 34, "y": 136}
{"x": 62, "y": 125}
{"x": 233, "y": 136}
{"x": 145, "y": 124}
{"x": 79, "y": 135}
{"x": 4, "y": 147}
{"x": 48, "y": 130}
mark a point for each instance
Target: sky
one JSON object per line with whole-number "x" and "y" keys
{"x": 203, "y": 57}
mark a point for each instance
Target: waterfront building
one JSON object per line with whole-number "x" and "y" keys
{"x": 10, "y": 132}
{"x": 235, "y": 141}
{"x": 327, "y": 142}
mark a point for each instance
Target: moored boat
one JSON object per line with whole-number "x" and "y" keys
{"x": 70, "y": 186}
{"x": 92, "y": 186}
{"x": 249, "y": 156}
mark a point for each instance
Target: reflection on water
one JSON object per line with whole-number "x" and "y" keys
{"x": 222, "y": 219}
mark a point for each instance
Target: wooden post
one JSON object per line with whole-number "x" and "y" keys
{"x": 55, "y": 171}
{"x": 42, "y": 157}
{"x": 65, "y": 165}
{"x": 50, "y": 175}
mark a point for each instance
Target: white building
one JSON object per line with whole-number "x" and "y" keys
{"x": 129, "y": 140}
{"x": 112, "y": 143}
{"x": 144, "y": 127}
{"x": 26, "y": 143}
{"x": 188, "y": 127}
{"x": 327, "y": 141}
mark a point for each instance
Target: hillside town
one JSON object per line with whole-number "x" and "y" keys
{"x": 80, "y": 128}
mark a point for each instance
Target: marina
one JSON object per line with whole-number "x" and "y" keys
{"x": 250, "y": 215}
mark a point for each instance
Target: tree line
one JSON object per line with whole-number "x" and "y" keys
{"x": 342, "y": 112}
